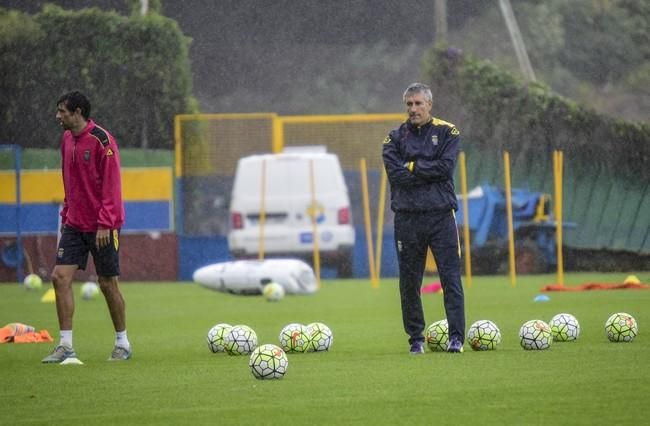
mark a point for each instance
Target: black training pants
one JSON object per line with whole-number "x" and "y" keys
{"x": 414, "y": 233}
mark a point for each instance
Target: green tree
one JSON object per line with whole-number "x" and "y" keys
{"x": 499, "y": 112}
{"x": 599, "y": 40}
{"x": 593, "y": 51}
{"x": 135, "y": 71}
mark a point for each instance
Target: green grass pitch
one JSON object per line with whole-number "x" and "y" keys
{"x": 368, "y": 377}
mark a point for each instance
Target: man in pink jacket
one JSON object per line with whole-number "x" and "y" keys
{"x": 92, "y": 216}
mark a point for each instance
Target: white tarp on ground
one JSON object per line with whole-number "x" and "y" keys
{"x": 250, "y": 276}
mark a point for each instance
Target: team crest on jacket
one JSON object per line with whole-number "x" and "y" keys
{"x": 87, "y": 155}
{"x": 434, "y": 139}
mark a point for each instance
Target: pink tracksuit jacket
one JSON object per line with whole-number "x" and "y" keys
{"x": 90, "y": 163}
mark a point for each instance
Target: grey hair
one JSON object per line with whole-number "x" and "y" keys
{"x": 418, "y": 88}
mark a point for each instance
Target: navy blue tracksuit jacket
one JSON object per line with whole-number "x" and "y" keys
{"x": 420, "y": 163}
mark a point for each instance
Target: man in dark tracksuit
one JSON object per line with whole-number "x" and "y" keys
{"x": 420, "y": 158}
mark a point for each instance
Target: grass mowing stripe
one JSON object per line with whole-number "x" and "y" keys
{"x": 368, "y": 377}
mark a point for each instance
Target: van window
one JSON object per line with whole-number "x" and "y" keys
{"x": 290, "y": 175}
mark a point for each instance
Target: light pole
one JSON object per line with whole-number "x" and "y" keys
{"x": 440, "y": 21}
{"x": 517, "y": 40}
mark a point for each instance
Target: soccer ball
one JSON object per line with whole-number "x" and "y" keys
{"x": 273, "y": 292}
{"x": 216, "y": 336}
{"x": 621, "y": 327}
{"x": 565, "y": 327}
{"x": 483, "y": 335}
{"x": 240, "y": 340}
{"x": 33, "y": 282}
{"x": 437, "y": 336}
{"x": 320, "y": 337}
{"x": 535, "y": 335}
{"x": 89, "y": 290}
{"x": 294, "y": 338}
{"x": 268, "y": 362}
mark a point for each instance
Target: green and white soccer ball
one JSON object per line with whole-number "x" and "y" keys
{"x": 437, "y": 336}
{"x": 240, "y": 340}
{"x": 33, "y": 282}
{"x": 89, "y": 290}
{"x": 294, "y": 338}
{"x": 621, "y": 327}
{"x": 268, "y": 362}
{"x": 564, "y": 327}
{"x": 216, "y": 336}
{"x": 320, "y": 337}
{"x": 273, "y": 292}
{"x": 535, "y": 335}
{"x": 483, "y": 335}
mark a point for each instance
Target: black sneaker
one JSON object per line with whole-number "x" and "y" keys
{"x": 455, "y": 345}
{"x": 417, "y": 348}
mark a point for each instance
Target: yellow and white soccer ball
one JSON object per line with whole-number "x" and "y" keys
{"x": 216, "y": 337}
{"x": 621, "y": 327}
{"x": 268, "y": 362}
{"x": 294, "y": 338}
{"x": 535, "y": 335}
{"x": 320, "y": 337}
{"x": 33, "y": 282}
{"x": 273, "y": 292}
{"x": 565, "y": 327}
{"x": 89, "y": 290}
{"x": 483, "y": 335}
{"x": 240, "y": 340}
{"x": 437, "y": 336}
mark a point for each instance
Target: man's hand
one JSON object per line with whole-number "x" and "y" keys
{"x": 102, "y": 238}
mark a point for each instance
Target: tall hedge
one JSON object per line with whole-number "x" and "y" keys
{"x": 134, "y": 69}
{"x": 494, "y": 109}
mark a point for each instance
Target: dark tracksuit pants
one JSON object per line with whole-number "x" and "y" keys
{"x": 414, "y": 233}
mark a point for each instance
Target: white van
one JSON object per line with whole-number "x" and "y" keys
{"x": 288, "y": 206}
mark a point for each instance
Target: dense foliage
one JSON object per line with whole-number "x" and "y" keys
{"x": 499, "y": 111}
{"x": 135, "y": 70}
{"x": 596, "y": 52}
{"x": 598, "y": 41}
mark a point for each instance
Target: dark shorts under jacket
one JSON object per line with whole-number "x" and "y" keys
{"x": 75, "y": 245}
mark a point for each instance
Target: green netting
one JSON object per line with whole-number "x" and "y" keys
{"x": 589, "y": 221}
{"x": 531, "y": 172}
{"x": 351, "y": 138}
{"x": 610, "y": 212}
{"x": 626, "y": 217}
{"x": 489, "y": 168}
{"x": 471, "y": 160}
{"x": 569, "y": 191}
{"x": 639, "y": 232}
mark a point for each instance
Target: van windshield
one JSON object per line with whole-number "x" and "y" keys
{"x": 290, "y": 176}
